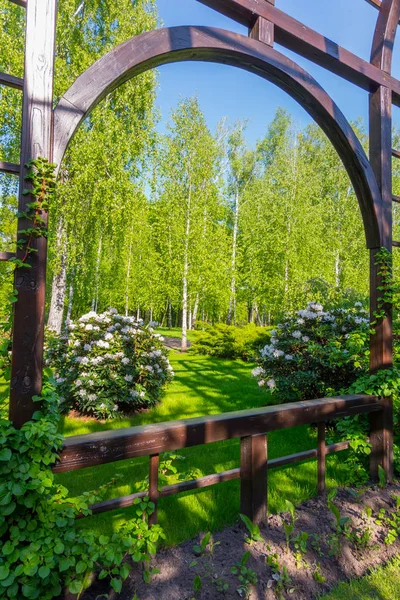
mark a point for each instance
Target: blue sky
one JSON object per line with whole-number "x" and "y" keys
{"x": 227, "y": 91}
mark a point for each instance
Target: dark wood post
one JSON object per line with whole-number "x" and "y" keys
{"x": 263, "y": 30}
{"x": 380, "y": 143}
{"x": 321, "y": 458}
{"x": 254, "y": 477}
{"x": 37, "y": 119}
{"x": 153, "y": 485}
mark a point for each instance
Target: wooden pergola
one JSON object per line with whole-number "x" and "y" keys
{"x": 46, "y": 132}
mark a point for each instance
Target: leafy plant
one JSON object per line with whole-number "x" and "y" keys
{"x": 246, "y": 576}
{"x": 108, "y": 364}
{"x": 289, "y": 527}
{"x": 254, "y": 531}
{"x": 280, "y": 576}
{"x": 300, "y": 547}
{"x": 227, "y": 341}
{"x": 317, "y": 575}
{"x": 41, "y": 549}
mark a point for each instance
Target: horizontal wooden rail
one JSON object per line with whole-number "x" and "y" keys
{"x": 7, "y": 255}
{"x": 108, "y": 446}
{"x": 11, "y": 81}
{"x": 209, "y": 480}
{"x": 303, "y": 40}
{"x": 11, "y": 168}
{"x": 395, "y": 153}
{"x": 395, "y": 198}
{"x": 396, "y": 244}
{"x": 21, "y": 3}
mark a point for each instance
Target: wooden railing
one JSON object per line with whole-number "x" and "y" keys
{"x": 251, "y": 426}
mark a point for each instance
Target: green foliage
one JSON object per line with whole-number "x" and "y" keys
{"x": 245, "y": 575}
{"x": 108, "y": 364}
{"x": 42, "y": 550}
{"x": 289, "y": 527}
{"x": 203, "y": 544}
{"x": 314, "y": 353}
{"x": 253, "y": 530}
{"x": 228, "y": 341}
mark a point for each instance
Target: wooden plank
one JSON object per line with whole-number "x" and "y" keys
{"x": 7, "y": 255}
{"x": 253, "y": 477}
{"x": 385, "y": 35}
{"x": 153, "y": 485}
{"x": 11, "y": 81}
{"x": 397, "y": 244}
{"x": 209, "y": 480}
{"x": 11, "y": 168}
{"x": 321, "y": 457}
{"x": 108, "y": 446}
{"x": 395, "y": 153}
{"x": 301, "y": 39}
{"x": 36, "y": 140}
{"x": 395, "y": 198}
{"x": 381, "y": 440}
{"x": 175, "y": 44}
{"x": 262, "y": 31}
{"x": 21, "y": 3}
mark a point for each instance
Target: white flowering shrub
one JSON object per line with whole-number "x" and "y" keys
{"x": 315, "y": 353}
{"x": 108, "y": 364}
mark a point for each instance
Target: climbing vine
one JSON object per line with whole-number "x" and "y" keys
{"x": 41, "y": 175}
{"x": 388, "y": 289}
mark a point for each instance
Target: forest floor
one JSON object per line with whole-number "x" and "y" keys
{"x": 311, "y": 574}
{"x": 202, "y": 385}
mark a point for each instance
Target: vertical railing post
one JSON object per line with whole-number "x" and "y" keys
{"x": 381, "y": 443}
{"x": 36, "y": 140}
{"x": 321, "y": 457}
{"x": 254, "y": 477}
{"x": 153, "y": 485}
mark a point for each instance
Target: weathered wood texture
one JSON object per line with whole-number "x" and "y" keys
{"x": 262, "y": 31}
{"x": 27, "y": 355}
{"x": 253, "y": 477}
{"x": 7, "y": 255}
{"x": 303, "y": 40}
{"x": 11, "y": 168}
{"x": 108, "y": 446}
{"x": 321, "y": 455}
{"x": 152, "y": 49}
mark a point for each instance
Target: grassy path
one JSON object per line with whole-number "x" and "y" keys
{"x": 202, "y": 385}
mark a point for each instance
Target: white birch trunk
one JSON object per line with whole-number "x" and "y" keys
{"x": 232, "y": 300}
{"x": 186, "y": 272}
{"x": 59, "y": 286}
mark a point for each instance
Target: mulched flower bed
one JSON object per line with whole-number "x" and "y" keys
{"x": 313, "y": 573}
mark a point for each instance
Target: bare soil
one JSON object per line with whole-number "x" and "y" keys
{"x": 354, "y": 559}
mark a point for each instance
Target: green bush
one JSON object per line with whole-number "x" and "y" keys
{"x": 41, "y": 549}
{"x": 107, "y": 364}
{"x": 227, "y": 341}
{"x": 315, "y": 353}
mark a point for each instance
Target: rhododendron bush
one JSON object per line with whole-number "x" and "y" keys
{"x": 107, "y": 364}
{"x": 315, "y": 353}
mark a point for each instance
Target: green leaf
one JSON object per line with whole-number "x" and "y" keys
{"x": 116, "y": 584}
{"x": 44, "y": 572}
{"x": 5, "y": 454}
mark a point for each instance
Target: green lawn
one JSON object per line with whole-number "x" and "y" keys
{"x": 202, "y": 385}
{"x": 381, "y": 584}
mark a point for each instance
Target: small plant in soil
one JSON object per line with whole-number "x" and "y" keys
{"x": 289, "y": 527}
{"x": 300, "y": 547}
{"x": 382, "y": 476}
{"x": 280, "y": 576}
{"x": 317, "y": 575}
{"x": 247, "y": 577}
{"x": 254, "y": 531}
{"x": 199, "y": 550}
{"x": 315, "y": 543}
{"x": 341, "y": 526}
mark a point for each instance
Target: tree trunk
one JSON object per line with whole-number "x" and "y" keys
{"x": 195, "y": 311}
{"x": 128, "y": 274}
{"x": 95, "y": 300}
{"x": 169, "y": 323}
{"x": 232, "y": 300}
{"x": 59, "y": 286}
{"x": 186, "y": 272}
{"x": 70, "y": 299}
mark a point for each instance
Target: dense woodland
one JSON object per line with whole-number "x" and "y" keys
{"x": 192, "y": 224}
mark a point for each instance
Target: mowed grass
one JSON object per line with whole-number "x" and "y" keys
{"x": 202, "y": 386}
{"x": 382, "y": 584}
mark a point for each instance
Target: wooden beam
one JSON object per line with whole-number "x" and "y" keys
{"x": 11, "y": 168}
{"x": 385, "y": 35}
{"x": 11, "y": 81}
{"x": 163, "y": 46}
{"x": 36, "y": 140}
{"x": 262, "y": 31}
{"x": 108, "y": 446}
{"x": 7, "y": 255}
{"x": 395, "y": 153}
{"x": 299, "y": 38}
{"x": 395, "y": 198}
{"x": 209, "y": 480}
{"x": 21, "y": 3}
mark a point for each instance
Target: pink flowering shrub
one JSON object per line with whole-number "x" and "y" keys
{"x": 315, "y": 353}
{"x": 107, "y": 364}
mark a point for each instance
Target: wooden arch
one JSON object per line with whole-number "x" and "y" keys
{"x": 176, "y": 44}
